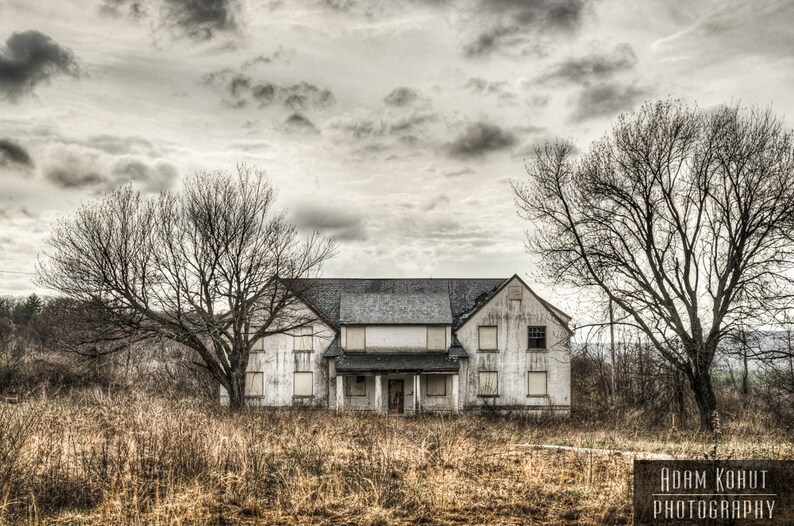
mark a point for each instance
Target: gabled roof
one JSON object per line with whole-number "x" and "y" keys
{"x": 556, "y": 313}
{"x": 465, "y": 297}
{"x": 325, "y": 294}
{"x": 430, "y": 308}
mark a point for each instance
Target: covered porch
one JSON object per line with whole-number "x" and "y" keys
{"x": 397, "y": 384}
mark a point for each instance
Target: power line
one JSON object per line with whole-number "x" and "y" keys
{"x": 16, "y": 272}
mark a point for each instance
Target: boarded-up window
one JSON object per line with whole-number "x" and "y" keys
{"x": 356, "y": 385}
{"x": 515, "y": 292}
{"x": 436, "y": 385}
{"x": 302, "y": 339}
{"x": 254, "y": 384}
{"x": 488, "y": 338}
{"x": 437, "y": 338}
{"x": 537, "y": 337}
{"x": 536, "y": 383}
{"x": 303, "y": 384}
{"x": 356, "y": 339}
{"x": 259, "y": 345}
{"x": 489, "y": 383}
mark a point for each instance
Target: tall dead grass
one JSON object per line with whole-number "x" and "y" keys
{"x": 94, "y": 458}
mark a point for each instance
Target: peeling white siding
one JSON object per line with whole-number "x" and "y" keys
{"x": 395, "y": 337}
{"x": 277, "y": 360}
{"x": 512, "y": 360}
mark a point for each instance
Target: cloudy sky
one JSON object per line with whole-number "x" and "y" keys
{"x": 396, "y": 126}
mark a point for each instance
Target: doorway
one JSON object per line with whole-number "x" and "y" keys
{"x": 396, "y": 396}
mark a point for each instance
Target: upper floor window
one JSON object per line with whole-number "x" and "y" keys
{"x": 536, "y": 337}
{"x": 356, "y": 339}
{"x": 303, "y": 339}
{"x": 436, "y": 338}
{"x": 515, "y": 292}
{"x": 487, "y": 337}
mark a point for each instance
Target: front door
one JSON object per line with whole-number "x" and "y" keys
{"x": 396, "y": 396}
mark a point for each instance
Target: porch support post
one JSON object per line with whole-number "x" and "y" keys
{"x": 378, "y": 393}
{"x": 340, "y": 392}
{"x": 417, "y": 394}
{"x": 455, "y": 392}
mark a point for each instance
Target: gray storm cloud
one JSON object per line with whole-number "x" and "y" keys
{"x": 31, "y": 58}
{"x": 239, "y": 89}
{"x": 512, "y": 23}
{"x": 14, "y": 155}
{"x": 479, "y": 139}
{"x": 606, "y": 99}
{"x": 195, "y": 19}
{"x": 401, "y": 96}
{"x": 345, "y": 225}
{"x": 592, "y": 67}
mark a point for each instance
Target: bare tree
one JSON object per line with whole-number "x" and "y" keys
{"x": 215, "y": 267}
{"x": 679, "y": 216}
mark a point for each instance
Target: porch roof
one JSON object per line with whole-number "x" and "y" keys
{"x": 397, "y": 363}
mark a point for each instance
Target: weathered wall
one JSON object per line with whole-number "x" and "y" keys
{"x": 512, "y": 360}
{"x": 394, "y": 337}
{"x": 276, "y": 358}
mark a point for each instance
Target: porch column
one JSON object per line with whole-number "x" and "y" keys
{"x": 340, "y": 392}
{"x": 417, "y": 394}
{"x": 455, "y": 392}
{"x": 378, "y": 394}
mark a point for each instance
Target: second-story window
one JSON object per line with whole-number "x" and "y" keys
{"x": 356, "y": 339}
{"x": 303, "y": 339}
{"x": 536, "y": 337}
{"x": 487, "y": 337}
{"x": 436, "y": 338}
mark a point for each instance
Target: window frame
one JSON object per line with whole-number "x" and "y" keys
{"x": 296, "y": 337}
{"x": 427, "y": 337}
{"x": 443, "y": 377}
{"x": 480, "y": 394}
{"x": 349, "y": 385}
{"x": 545, "y": 347}
{"x": 261, "y": 385}
{"x": 546, "y": 387}
{"x": 363, "y": 329}
{"x": 295, "y": 384}
{"x": 479, "y": 338}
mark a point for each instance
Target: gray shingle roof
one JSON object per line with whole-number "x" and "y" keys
{"x": 397, "y": 363}
{"x": 333, "y": 350}
{"x": 325, "y": 294}
{"x": 394, "y": 308}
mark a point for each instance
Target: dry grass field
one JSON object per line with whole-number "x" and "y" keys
{"x": 129, "y": 459}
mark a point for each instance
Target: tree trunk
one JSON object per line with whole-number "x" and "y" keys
{"x": 680, "y": 397}
{"x": 700, "y": 382}
{"x": 745, "y": 378}
{"x": 236, "y": 389}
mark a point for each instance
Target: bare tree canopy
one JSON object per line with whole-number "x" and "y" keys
{"x": 682, "y": 217}
{"x": 216, "y": 267}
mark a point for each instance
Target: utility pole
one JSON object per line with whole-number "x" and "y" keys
{"x": 613, "y": 378}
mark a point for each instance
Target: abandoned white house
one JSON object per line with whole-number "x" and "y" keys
{"x": 410, "y": 345}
